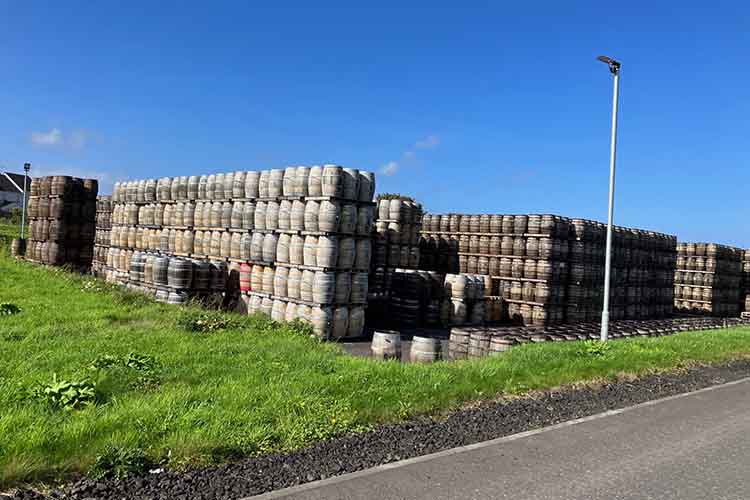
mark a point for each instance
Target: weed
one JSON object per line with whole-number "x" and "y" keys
{"x": 204, "y": 321}
{"x": 65, "y": 394}
{"x": 594, "y": 348}
{"x": 119, "y": 462}
{"x": 8, "y": 309}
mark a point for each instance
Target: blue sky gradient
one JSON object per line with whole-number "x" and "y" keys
{"x": 471, "y": 107}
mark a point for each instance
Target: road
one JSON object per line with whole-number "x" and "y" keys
{"x": 689, "y": 447}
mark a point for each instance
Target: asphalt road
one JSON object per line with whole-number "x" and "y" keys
{"x": 689, "y": 447}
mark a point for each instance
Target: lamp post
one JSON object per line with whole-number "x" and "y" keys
{"x": 26, "y": 168}
{"x": 614, "y": 68}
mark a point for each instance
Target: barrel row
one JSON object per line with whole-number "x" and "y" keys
{"x": 56, "y": 253}
{"x": 314, "y": 216}
{"x": 59, "y": 208}
{"x": 328, "y": 322}
{"x": 61, "y": 230}
{"x": 477, "y": 342}
{"x": 333, "y": 252}
{"x": 64, "y": 186}
{"x": 326, "y": 181}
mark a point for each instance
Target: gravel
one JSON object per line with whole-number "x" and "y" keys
{"x": 390, "y": 443}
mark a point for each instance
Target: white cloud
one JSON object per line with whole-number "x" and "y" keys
{"x": 389, "y": 168}
{"x": 51, "y": 138}
{"x": 428, "y": 142}
{"x": 74, "y": 140}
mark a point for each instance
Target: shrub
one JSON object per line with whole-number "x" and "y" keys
{"x": 204, "y": 321}
{"x": 594, "y": 348}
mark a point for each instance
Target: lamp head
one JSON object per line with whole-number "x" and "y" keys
{"x": 614, "y": 66}
{"x": 27, "y": 166}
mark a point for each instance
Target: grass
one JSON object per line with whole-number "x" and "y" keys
{"x": 164, "y": 393}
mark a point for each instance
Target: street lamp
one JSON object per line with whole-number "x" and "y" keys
{"x": 614, "y": 68}
{"x": 26, "y": 168}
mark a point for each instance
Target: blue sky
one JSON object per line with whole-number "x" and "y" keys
{"x": 470, "y": 107}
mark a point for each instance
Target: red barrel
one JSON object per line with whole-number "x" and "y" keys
{"x": 245, "y": 274}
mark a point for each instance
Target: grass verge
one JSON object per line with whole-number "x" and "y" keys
{"x": 93, "y": 375}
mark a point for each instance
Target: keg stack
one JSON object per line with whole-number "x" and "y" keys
{"x": 62, "y": 215}
{"x": 526, "y": 257}
{"x": 708, "y": 279}
{"x": 745, "y": 296}
{"x": 292, "y": 243}
{"x": 102, "y": 235}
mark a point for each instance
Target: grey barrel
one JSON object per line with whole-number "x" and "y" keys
{"x": 315, "y": 181}
{"x": 180, "y": 273}
{"x": 333, "y": 181}
{"x": 276, "y": 183}
{"x": 386, "y": 344}
{"x": 425, "y": 350}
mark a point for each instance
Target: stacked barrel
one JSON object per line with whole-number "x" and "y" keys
{"x": 102, "y": 236}
{"x": 292, "y": 243}
{"x": 708, "y": 279}
{"x": 745, "y": 296}
{"x": 395, "y": 240}
{"x": 62, "y": 215}
{"x": 525, "y": 256}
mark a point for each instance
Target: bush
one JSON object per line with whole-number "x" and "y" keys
{"x": 594, "y": 348}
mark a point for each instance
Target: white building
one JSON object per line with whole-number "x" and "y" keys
{"x": 11, "y": 192}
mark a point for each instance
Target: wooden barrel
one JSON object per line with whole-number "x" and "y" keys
{"x": 272, "y": 215}
{"x": 179, "y": 273}
{"x": 282, "y": 248}
{"x": 332, "y": 183}
{"x": 225, "y": 244}
{"x": 326, "y": 252}
{"x": 306, "y": 285}
{"x": 235, "y": 251}
{"x": 214, "y": 243}
{"x": 270, "y": 242}
{"x": 324, "y": 287}
{"x": 280, "y": 282}
{"x": 269, "y": 274}
{"x": 289, "y": 181}
{"x": 245, "y": 247}
{"x": 315, "y": 181}
{"x": 219, "y": 193}
{"x": 296, "y": 217}
{"x": 293, "y": 283}
{"x": 425, "y": 350}
{"x": 161, "y": 271}
{"x": 18, "y": 247}
{"x": 276, "y": 183}
{"x": 297, "y": 250}
{"x": 301, "y": 181}
{"x": 362, "y": 254}
{"x": 311, "y": 214}
{"x": 366, "y": 186}
{"x": 386, "y": 344}
{"x": 340, "y": 322}
{"x": 278, "y": 310}
{"x": 256, "y": 247}
{"x": 219, "y": 275}
{"x": 226, "y": 214}
{"x": 182, "y": 188}
{"x": 347, "y": 219}
{"x": 310, "y": 250}
{"x": 500, "y": 344}
{"x": 329, "y": 216}
{"x": 346, "y": 253}
{"x": 321, "y": 319}
{"x": 236, "y": 218}
{"x": 252, "y": 184}
{"x": 350, "y": 184}
{"x": 343, "y": 288}
{"x": 193, "y": 187}
{"x": 266, "y": 307}
{"x": 291, "y": 312}
{"x": 356, "y": 322}
{"x": 238, "y": 184}
{"x": 260, "y": 216}
{"x": 248, "y": 215}
{"x": 263, "y": 183}
{"x": 285, "y": 215}
{"x": 359, "y": 288}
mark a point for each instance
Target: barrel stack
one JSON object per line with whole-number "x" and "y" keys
{"x": 548, "y": 270}
{"x": 291, "y": 243}
{"x": 708, "y": 279}
{"x": 525, "y": 258}
{"x": 397, "y": 294}
{"x": 62, "y": 218}
{"x": 102, "y": 236}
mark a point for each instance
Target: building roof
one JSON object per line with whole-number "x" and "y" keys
{"x": 7, "y": 185}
